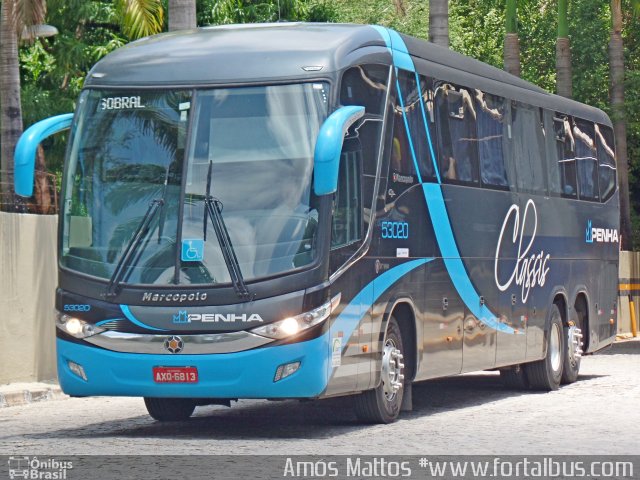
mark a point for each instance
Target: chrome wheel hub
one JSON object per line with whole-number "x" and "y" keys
{"x": 554, "y": 348}
{"x": 392, "y": 367}
{"x": 574, "y": 344}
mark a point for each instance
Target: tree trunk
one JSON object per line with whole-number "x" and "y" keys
{"x": 616, "y": 65}
{"x": 564, "y": 83}
{"x": 439, "y": 22}
{"x": 182, "y": 14}
{"x": 563, "y": 68}
{"x": 11, "y": 116}
{"x": 512, "y": 54}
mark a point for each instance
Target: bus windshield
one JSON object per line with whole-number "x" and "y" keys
{"x": 251, "y": 148}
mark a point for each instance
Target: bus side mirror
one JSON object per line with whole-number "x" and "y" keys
{"x": 326, "y": 157}
{"x": 25, "y": 155}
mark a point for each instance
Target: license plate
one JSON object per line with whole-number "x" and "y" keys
{"x": 175, "y": 374}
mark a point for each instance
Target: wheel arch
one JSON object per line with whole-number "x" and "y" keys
{"x": 404, "y": 311}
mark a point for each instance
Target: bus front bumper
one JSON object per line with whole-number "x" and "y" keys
{"x": 248, "y": 374}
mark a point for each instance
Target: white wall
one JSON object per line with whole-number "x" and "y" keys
{"x": 28, "y": 278}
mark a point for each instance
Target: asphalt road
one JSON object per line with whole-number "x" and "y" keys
{"x": 469, "y": 414}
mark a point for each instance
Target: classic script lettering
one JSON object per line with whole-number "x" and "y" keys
{"x": 530, "y": 269}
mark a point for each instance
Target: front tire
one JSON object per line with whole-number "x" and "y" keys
{"x": 546, "y": 374}
{"x": 382, "y": 404}
{"x": 170, "y": 409}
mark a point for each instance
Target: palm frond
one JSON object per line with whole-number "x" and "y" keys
{"x": 24, "y": 13}
{"x": 141, "y": 17}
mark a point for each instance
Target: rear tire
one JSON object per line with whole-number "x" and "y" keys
{"x": 382, "y": 404}
{"x": 546, "y": 374}
{"x": 170, "y": 409}
{"x": 573, "y": 349}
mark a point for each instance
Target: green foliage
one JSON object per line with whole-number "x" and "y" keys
{"x": 53, "y": 70}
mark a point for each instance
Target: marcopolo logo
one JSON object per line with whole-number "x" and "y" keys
{"x": 600, "y": 235}
{"x": 34, "y": 468}
{"x": 183, "y": 317}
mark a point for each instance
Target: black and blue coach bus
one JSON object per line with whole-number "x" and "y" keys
{"x": 311, "y": 210}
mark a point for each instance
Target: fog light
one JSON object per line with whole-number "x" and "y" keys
{"x": 286, "y": 370}
{"x": 77, "y": 369}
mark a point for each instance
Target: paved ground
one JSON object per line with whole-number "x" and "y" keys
{"x": 471, "y": 414}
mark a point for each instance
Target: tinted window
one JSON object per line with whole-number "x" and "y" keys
{"x": 347, "y": 216}
{"x": 402, "y": 171}
{"x": 554, "y": 179}
{"x": 457, "y": 142}
{"x": 606, "y": 161}
{"x": 412, "y": 105}
{"x": 565, "y": 147}
{"x": 491, "y": 120}
{"x": 586, "y": 160}
{"x": 528, "y": 147}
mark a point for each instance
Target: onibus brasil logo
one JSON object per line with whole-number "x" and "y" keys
{"x": 35, "y": 468}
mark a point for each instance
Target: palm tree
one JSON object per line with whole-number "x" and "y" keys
{"x": 511, "y": 41}
{"x": 563, "y": 53}
{"x": 14, "y": 16}
{"x": 439, "y": 22}
{"x": 139, "y": 18}
{"x": 182, "y": 14}
{"x": 616, "y": 67}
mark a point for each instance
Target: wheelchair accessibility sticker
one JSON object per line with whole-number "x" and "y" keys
{"x": 192, "y": 250}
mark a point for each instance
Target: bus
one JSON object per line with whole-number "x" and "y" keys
{"x": 303, "y": 211}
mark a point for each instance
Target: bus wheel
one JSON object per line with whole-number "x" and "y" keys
{"x": 545, "y": 374}
{"x": 382, "y": 404}
{"x": 170, "y": 409}
{"x": 514, "y": 378}
{"x": 572, "y": 350}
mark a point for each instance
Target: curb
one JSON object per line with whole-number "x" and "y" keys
{"x": 26, "y": 397}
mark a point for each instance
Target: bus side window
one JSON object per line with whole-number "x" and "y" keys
{"x": 347, "y": 223}
{"x": 606, "y": 162}
{"x": 457, "y": 139}
{"x": 491, "y": 121}
{"x": 565, "y": 147}
{"x": 586, "y": 159}
{"x": 527, "y": 140}
{"x": 554, "y": 154}
{"x": 411, "y": 106}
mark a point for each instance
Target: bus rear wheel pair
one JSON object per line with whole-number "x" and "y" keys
{"x": 561, "y": 363}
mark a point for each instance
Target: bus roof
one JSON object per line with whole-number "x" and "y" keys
{"x": 275, "y": 52}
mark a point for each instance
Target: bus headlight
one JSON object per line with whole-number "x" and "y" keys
{"x": 76, "y": 327}
{"x": 293, "y": 325}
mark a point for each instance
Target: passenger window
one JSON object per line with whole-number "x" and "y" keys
{"x": 402, "y": 171}
{"x": 565, "y": 147}
{"x": 347, "y": 216}
{"x": 491, "y": 120}
{"x": 586, "y": 160}
{"x": 457, "y": 141}
{"x": 606, "y": 162}
{"x": 527, "y": 140}
{"x": 553, "y": 154}
{"x": 411, "y": 105}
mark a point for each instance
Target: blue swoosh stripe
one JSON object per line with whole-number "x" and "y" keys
{"x": 353, "y": 313}
{"x": 127, "y": 313}
{"x": 436, "y": 207}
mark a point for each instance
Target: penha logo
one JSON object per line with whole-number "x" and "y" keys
{"x": 183, "y": 317}
{"x": 600, "y": 235}
{"x": 530, "y": 269}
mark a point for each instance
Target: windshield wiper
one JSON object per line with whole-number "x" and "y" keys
{"x": 213, "y": 210}
{"x": 141, "y": 232}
